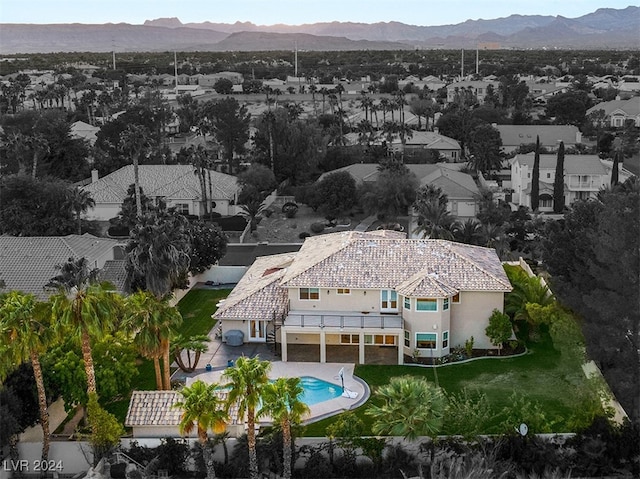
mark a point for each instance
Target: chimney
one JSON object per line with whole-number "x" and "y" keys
{"x": 94, "y": 175}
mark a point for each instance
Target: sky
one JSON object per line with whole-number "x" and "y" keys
{"x": 291, "y": 12}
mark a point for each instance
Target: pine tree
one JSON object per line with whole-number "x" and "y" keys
{"x": 558, "y": 183}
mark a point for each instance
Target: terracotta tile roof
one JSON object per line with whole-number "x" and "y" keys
{"x": 155, "y": 408}
{"x": 28, "y": 263}
{"x": 114, "y": 272}
{"x": 258, "y": 294}
{"x": 170, "y": 181}
{"x": 367, "y": 261}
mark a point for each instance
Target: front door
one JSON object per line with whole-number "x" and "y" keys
{"x": 257, "y": 331}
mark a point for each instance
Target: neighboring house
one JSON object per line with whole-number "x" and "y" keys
{"x": 430, "y": 140}
{"x": 460, "y": 188}
{"x": 617, "y": 112}
{"x": 478, "y": 88}
{"x": 84, "y": 131}
{"x": 27, "y": 263}
{"x": 152, "y": 414}
{"x": 513, "y": 136}
{"x": 370, "y": 297}
{"x": 177, "y": 185}
{"x": 584, "y": 176}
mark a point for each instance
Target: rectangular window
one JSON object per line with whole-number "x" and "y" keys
{"x": 380, "y": 339}
{"x": 445, "y": 339}
{"x": 445, "y": 304}
{"x": 427, "y": 340}
{"x": 344, "y": 291}
{"x": 182, "y": 208}
{"x": 456, "y": 298}
{"x": 389, "y": 300}
{"x": 407, "y": 303}
{"x": 349, "y": 339}
{"x": 548, "y": 175}
{"x": 407, "y": 339}
{"x": 309, "y": 293}
{"x": 426, "y": 304}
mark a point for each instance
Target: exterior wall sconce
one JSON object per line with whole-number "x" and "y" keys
{"x": 327, "y": 292}
{"x": 365, "y": 293}
{"x": 435, "y": 326}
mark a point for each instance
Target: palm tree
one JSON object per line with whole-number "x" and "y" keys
{"x": 199, "y": 159}
{"x": 409, "y": 406}
{"x": 83, "y": 307}
{"x": 80, "y": 201}
{"x": 434, "y": 221}
{"x": 153, "y": 321}
{"x": 203, "y": 408}
{"x": 247, "y": 380}
{"x": 25, "y": 328}
{"x": 467, "y": 231}
{"x": 197, "y": 344}
{"x": 526, "y": 290}
{"x": 251, "y": 210}
{"x": 281, "y": 401}
{"x": 158, "y": 252}
{"x": 134, "y": 141}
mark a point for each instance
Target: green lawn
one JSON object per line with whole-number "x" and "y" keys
{"x": 196, "y": 308}
{"x": 543, "y": 376}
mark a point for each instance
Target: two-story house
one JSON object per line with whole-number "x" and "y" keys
{"x": 584, "y": 176}
{"x": 367, "y": 297}
{"x": 617, "y": 112}
{"x": 475, "y": 88}
{"x": 514, "y": 136}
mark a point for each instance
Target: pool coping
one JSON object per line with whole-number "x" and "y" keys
{"x": 326, "y": 371}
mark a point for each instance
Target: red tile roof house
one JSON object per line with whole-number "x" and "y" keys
{"x": 367, "y": 295}
{"x": 177, "y": 185}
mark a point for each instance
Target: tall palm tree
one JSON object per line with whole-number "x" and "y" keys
{"x": 409, "y": 406}
{"x": 25, "y": 327}
{"x": 153, "y": 321}
{"x": 199, "y": 159}
{"x": 158, "y": 252}
{"x": 134, "y": 141}
{"x": 83, "y": 307}
{"x": 281, "y": 401}
{"x": 247, "y": 380}
{"x": 80, "y": 201}
{"x": 203, "y": 409}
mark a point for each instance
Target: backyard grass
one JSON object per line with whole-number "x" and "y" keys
{"x": 196, "y": 308}
{"x": 543, "y": 376}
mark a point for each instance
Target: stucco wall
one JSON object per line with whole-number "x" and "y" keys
{"x": 471, "y": 317}
{"x": 357, "y": 300}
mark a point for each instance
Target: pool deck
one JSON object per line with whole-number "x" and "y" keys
{"x": 326, "y": 371}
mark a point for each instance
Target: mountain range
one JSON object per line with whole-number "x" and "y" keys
{"x": 604, "y": 29}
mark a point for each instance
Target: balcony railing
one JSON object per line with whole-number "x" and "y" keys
{"x": 342, "y": 320}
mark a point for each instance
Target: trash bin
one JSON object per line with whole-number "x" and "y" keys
{"x": 208, "y": 367}
{"x": 230, "y": 363}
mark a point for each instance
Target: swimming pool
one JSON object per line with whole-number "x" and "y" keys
{"x": 317, "y": 390}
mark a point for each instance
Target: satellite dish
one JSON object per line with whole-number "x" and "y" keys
{"x": 523, "y": 429}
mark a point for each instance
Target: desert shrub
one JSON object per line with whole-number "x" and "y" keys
{"x": 317, "y": 227}
{"x": 304, "y": 235}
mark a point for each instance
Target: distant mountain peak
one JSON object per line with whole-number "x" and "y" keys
{"x": 172, "y": 22}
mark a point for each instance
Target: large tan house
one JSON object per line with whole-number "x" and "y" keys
{"x": 367, "y": 297}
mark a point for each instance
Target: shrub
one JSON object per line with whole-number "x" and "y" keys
{"x": 468, "y": 347}
{"x": 317, "y": 227}
{"x": 267, "y": 212}
{"x": 118, "y": 231}
{"x": 290, "y": 209}
{"x": 304, "y": 235}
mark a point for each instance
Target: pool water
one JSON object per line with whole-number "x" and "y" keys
{"x": 317, "y": 391}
